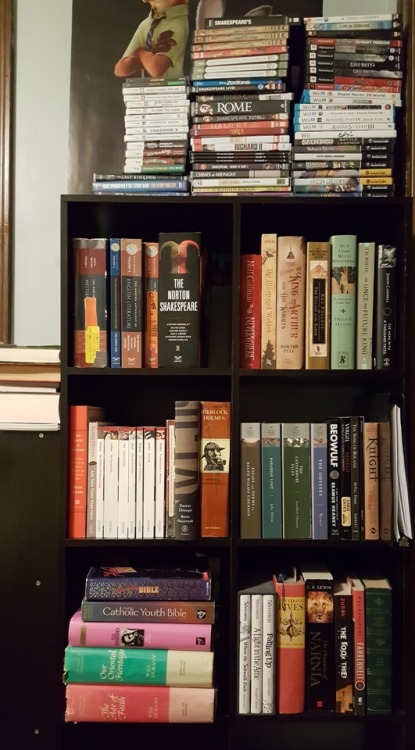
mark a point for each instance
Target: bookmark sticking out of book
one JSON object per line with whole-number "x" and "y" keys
{"x": 92, "y": 333}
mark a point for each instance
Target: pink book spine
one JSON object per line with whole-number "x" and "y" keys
{"x": 137, "y": 703}
{"x": 176, "y": 637}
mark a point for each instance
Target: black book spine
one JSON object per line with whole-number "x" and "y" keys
{"x": 319, "y": 668}
{"x": 333, "y": 476}
{"x": 385, "y": 333}
{"x": 345, "y": 479}
{"x": 355, "y": 476}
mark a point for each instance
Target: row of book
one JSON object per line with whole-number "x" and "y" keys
{"x": 314, "y": 641}
{"x": 132, "y": 482}
{"x": 141, "y": 671}
{"x": 319, "y": 305}
{"x": 320, "y": 480}
{"x": 29, "y": 388}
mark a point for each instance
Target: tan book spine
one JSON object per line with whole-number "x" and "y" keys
{"x": 268, "y": 301}
{"x": 385, "y": 482}
{"x": 291, "y": 260}
{"x": 371, "y": 480}
{"x": 215, "y": 434}
{"x": 317, "y": 306}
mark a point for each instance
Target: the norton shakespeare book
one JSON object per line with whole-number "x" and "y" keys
{"x": 179, "y": 299}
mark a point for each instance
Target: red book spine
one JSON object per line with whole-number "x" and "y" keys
{"x": 79, "y": 418}
{"x": 250, "y": 312}
{"x": 151, "y": 275}
{"x": 290, "y": 643}
{"x": 359, "y": 646}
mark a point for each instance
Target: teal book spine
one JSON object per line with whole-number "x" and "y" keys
{"x": 343, "y": 301}
{"x": 137, "y": 666}
{"x": 271, "y": 480}
{"x": 296, "y": 480}
{"x": 379, "y": 637}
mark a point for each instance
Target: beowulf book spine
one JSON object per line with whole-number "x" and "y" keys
{"x": 319, "y": 483}
{"x": 250, "y": 479}
{"x": 179, "y": 299}
{"x": 215, "y": 438}
{"x": 319, "y": 665}
{"x": 371, "y": 480}
{"x": 317, "y": 331}
{"x": 385, "y": 481}
{"x": 131, "y": 303}
{"x": 250, "y": 312}
{"x": 186, "y": 471}
{"x": 296, "y": 480}
{"x": 343, "y": 627}
{"x": 115, "y": 303}
{"x": 345, "y": 478}
{"x": 271, "y": 480}
{"x": 365, "y": 302}
{"x": 343, "y": 302}
{"x": 385, "y": 332}
{"x": 147, "y": 611}
{"x": 90, "y": 303}
{"x": 291, "y": 278}
{"x": 151, "y": 274}
{"x": 268, "y": 301}
{"x": 334, "y": 468}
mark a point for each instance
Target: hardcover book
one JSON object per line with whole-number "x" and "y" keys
{"x": 296, "y": 480}
{"x": 131, "y": 303}
{"x": 244, "y": 675}
{"x": 139, "y": 703}
{"x": 250, "y": 312}
{"x": 343, "y": 301}
{"x": 149, "y": 481}
{"x": 343, "y": 627}
{"x": 180, "y": 637}
{"x": 138, "y": 666}
{"x": 385, "y": 336}
{"x": 357, "y": 479}
{"x": 186, "y": 470}
{"x": 379, "y": 649}
{"x": 186, "y": 612}
{"x": 80, "y": 417}
{"x": 90, "y": 304}
{"x": 317, "y": 306}
{"x": 334, "y": 466}
{"x": 170, "y": 443}
{"x": 111, "y": 464}
{"x": 215, "y": 433}
{"x": 359, "y": 643}
{"x": 268, "y": 301}
{"x": 139, "y": 481}
{"x": 290, "y": 641}
{"x": 291, "y": 282}
{"x": 250, "y": 479}
{"x": 365, "y": 303}
{"x": 385, "y": 482}
{"x": 345, "y": 478}
{"x": 160, "y": 483}
{"x": 271, "y": 480}
{"x": 371, "y": 480}
{"x": 130, "y": 584}
{"x": 151, "y": 274}
{"x": 319, "y": 482}
{"x": 179, "y": 299}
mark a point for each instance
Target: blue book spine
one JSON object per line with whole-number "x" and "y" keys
{"x": 271, "y": 480}
{"x": 115, "y": 304}
{"x": 319, "y": 487}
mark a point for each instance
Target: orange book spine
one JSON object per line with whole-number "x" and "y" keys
{"x": 371, "y": 480}
{"x": 79, "y": 418}
{"x": 290, "y": 643}
{"x": 151, "y": 274}
{"x": 215, "y": 434}
{"x": 131, "y": 303}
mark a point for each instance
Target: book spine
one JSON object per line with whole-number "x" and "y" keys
{"x": 139, "y": 482}
{"x": 256, "y": 653}
{"x": 343, "y": 301}
{"x": 99, "y": 497}
{"x": 131, "y": 303}
{"x": 146, "y": 704}
{"x": 296, "y": 480}
{"x": 179, "y": 298}
{"x": 215, "y": 440}
{"x": 385, "y": 482}
{"x": 186, "y": 612}
{"x": 90, "y": 318}
{"x": 356, "y": 468}
{"x": 343, "y": 634}
{"x": 178, "y": 637}
{"x": 186, "y": 471}
{"x": 268, "y": 654}
{"x": 271, "y": 496}
{"x": 149, "y": 480}
{"x": 79, "y": 418}
{"x": 123, "y": 480}
{"x": 111, "y": 466}
{"x": 378, "y": 650}
{"x": 151, "y": 274}
{"x": 244, "y": 681}
{"x": 345, "y": 478}
{"x": 319, "y": 480}
{"x": 290, "y": 642}
{"x": 385, "y": 338}
{"x": 371, "y": 480}
{"x": 138, "y": 666}
{"x": 334, "y": 465}
{"x": 317, "y": 306}
{"x": 91, "y": 510}
{"x": 291, "y": 269}
{"x": 115, "y": 303}
{"x": 160, "y": 483}
{"x": 132, "y": 479}
{"x": 250, "y": 479}
{"x": 170, "y": 448}
{"x": 365, "y": 302}
{"x": 359, "y": 649}
{"x": 319, "y": 670}
{"x": 268, "y": 301}
{"x": 250, "y": 312}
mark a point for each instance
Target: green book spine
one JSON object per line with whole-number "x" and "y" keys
{"x": 137, "y": 666}
{"x": 296, "y": 480}
{"x": 378, "y": 609}
{"x": 343, "y": 301}
{"x": 271, "y": 480}
{"x": 365, "y": 302}
{"x": 250, "y": 480}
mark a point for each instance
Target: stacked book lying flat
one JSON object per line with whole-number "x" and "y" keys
{"x": 345, "y": 127}
{"x": 156, "y": 139}
{"x": 239, "y": 132}
{"x": 156, "y": 665}
{"x": 29, "y": 388}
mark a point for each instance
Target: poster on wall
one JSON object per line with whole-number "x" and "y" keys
{"x": 105, "y": 37}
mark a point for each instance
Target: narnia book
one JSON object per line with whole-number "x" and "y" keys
{"x": 186, "y": 470}
{"x": 179, "y": 299}
{"x": 291, "y": 277}
{"x": 290, "y": 641}
{"x": 317, "y": 306}
{"x": 215, "y": 432}
{"x": 90, "y": 304}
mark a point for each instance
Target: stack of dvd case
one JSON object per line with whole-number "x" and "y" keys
{"x": 240, "y": 115}
{"x": 156, "y": 139}
{"x": 345, "y": 126}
